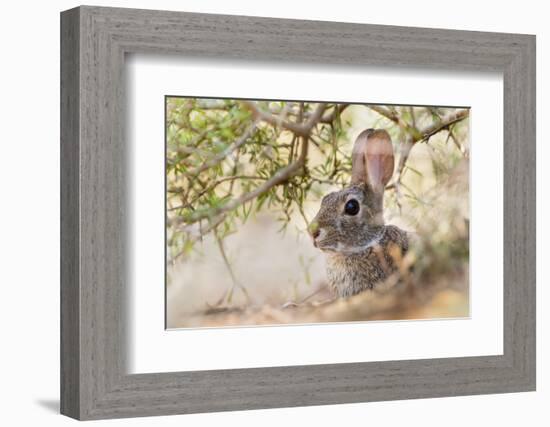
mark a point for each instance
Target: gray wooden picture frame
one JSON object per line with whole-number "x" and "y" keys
{"x": 94, "y": 381}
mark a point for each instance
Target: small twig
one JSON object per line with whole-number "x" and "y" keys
{"x": 391, "y": 114}
{"x": 445, "y": 122}
{"x": 235, "y": 282}
{"x": 302, "y": 129}
{"x": 282, "y": 175}
{"x": 218, "y": 158}
{"x": 231, "y": 178}
{"x": 337, "y": 110}
{"x": 416, "y": 135}
{"x": 413, "y": 117}
{"x": 458, "y": 145}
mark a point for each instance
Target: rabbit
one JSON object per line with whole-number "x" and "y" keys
{"x": 361, "y": 251}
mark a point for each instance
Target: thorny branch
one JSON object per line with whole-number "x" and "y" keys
{"x": 297, "y": 128}
{"x": 304, "y": 127}
{"x": 217, "y": 215}
{"x": 415, "y": 135}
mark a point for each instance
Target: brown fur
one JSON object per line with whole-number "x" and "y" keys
{"x": 361, "y": 250}
{"x": 354, "y": 273}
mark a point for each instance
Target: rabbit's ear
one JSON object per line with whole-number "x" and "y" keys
{"x": 372, "y": 159}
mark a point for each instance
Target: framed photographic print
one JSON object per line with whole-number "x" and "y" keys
{"x": 261, "y": 213}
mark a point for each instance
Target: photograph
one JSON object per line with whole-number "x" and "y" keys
{"x": 286, "y": 212}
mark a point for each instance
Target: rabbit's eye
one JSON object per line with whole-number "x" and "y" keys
{"x": 352, "y": 207}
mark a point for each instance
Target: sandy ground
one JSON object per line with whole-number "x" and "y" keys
{"x": 275, "y": 268}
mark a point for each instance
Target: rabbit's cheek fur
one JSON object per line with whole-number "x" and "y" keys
{"x": 354, "y": 272}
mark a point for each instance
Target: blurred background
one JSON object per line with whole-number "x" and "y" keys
{"x": 245, "y": 177}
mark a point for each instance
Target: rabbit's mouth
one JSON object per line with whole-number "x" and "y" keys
{"x": 344, "y": 249}
{"x": 327, "y": 249}
{"x": 324, "y": 246}
{"x": 337, "y": 248}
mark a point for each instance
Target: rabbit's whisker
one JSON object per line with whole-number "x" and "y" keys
{"x": 346, "y": 249}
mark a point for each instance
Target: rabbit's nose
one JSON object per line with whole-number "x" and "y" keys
{"x": 314, "y": 229}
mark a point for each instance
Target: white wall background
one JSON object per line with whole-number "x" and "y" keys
{"x": 29, "y": 224}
